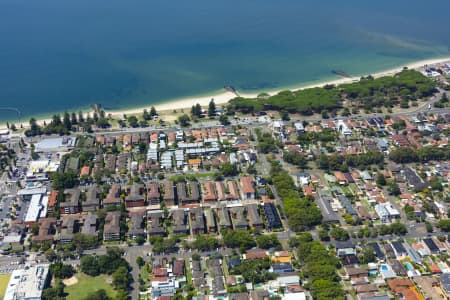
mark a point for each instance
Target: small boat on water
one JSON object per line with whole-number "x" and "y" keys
{"x": 341, "y": 73}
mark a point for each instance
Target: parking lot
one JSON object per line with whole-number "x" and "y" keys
{"x": 9, "y": 263}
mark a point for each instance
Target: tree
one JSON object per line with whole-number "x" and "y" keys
{"x": 67, "y": 122}
{"x": 381, "y": 180}
{"x": 140, "y": 261}
{"x": 73, "y": 119}
{"x": 223, "y": 119}
{"x": 196, "y": 110}
{"x": 255, "y": 271}
{"x": 65, "y": 180}
{"x": 327, "y": 289}
{"x": 120, "y": 278}
{"x": 50, "y": 255}
{"x": 62, "y": 271}
{"x": 409, "y": 212}
{"x": 153, "y": 111}
{"x": 121, "y": 295}
{"x": 140, "y": 240}
{"x": 35, "y": 229}
{"x": 339, "y": 233}
{"x": 84, "y": 241}
{"x": 35, "y": 129}
{"x": 323, "y": 235}
{"x": 444, "y": 225}
{"x": 205, "y": 243}
{"x": 183, "y": 120}
{"x": 394, "y": 189}
{"x": 239, "y": 238}
{"x": 229, "y": 169}
{"x": 54, "y": 293}
{"x": 295, "y": 158}
{"x": 89, "y": 265}
{"x": 146, "y": 115}
{"x": 98, "y": 295}
{"x": 211, "y": 108}
{"x": 267, "y": 241}
{"x": 429, "y": 227}
{"x": 133, "y": 121}
{"x": 367, "y": 255}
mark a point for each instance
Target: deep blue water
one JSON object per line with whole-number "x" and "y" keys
{"x": 65, "y": 55}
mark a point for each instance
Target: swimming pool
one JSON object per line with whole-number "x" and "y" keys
{"x": 409, "y": 266}
{"x": 384, "y": 267}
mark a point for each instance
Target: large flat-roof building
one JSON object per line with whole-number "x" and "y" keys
{"x": 27, "y": 284}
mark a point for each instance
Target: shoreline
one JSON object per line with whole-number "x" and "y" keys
{"x": 221, "y": 98}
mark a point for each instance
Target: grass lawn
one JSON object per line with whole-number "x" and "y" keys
{"x": 4, "y": 279}
{"x": 87, "y": 285}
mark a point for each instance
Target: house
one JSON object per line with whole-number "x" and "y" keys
{"x": 136, "y": 227}
{"x": 399, "y": 250}
{"x": 92, "y": 202}
{"x": 111, "y": 230}
{"x": 445, "y": 283}
{"x": 69, "y": 227}
{"x": 210, "y": 194}
{"x": 254, "y": 217}
{"x": 210, "y": 221}
{"x": 386, "y": 212}
{"x": 169, "y": 194}
{"x": 376, "y": 248}
{"x": 52, "y": 200}
{"x": 71, "y": 203}
{"x": 324, "y": 203}
{"x": 90, "y": 225}
{"x": 197, "y": 220}
{"x": 413, "y": 179}
{"x": 340, "y": 178}
{"x": 194, "y": 163}
{"x": 431, "y": 245}
{"x": 188, "y": 193}
{"x": 134, "y": 195}
{"x": 233, "y": 192}
{"x": 345, "y": 248}
{"x": 247, "y": 188}
{"x": 238, "y": 219}
{"x": 47, "y": 229}
{"x": 178, "y": 267}
{"x": 405, "y": 289}
{"x": 398, "y": 268}
{"x": 113, "y": 197}
{"x": 281, "y": 268}
{"x": 390, "y": 253}
{"x": 357, "y": 276}
{"x": 153, "y": 195}
{"x": 155, "y": 223}
{"x": 233, "y": 262}
{"x": 180, "y": 220}
{"x": 272, "y": 217}
{"x": 224, "y": 218}
{"x": 220, "y": 189}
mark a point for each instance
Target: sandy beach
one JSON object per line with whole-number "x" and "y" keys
{"x": 224, "y": 97}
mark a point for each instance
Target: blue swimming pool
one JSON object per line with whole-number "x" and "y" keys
{"x": 384, "y": 268}
{"x": 409, "y": 266}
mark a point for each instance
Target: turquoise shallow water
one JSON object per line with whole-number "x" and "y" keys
{"x": 66, "y": 55}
